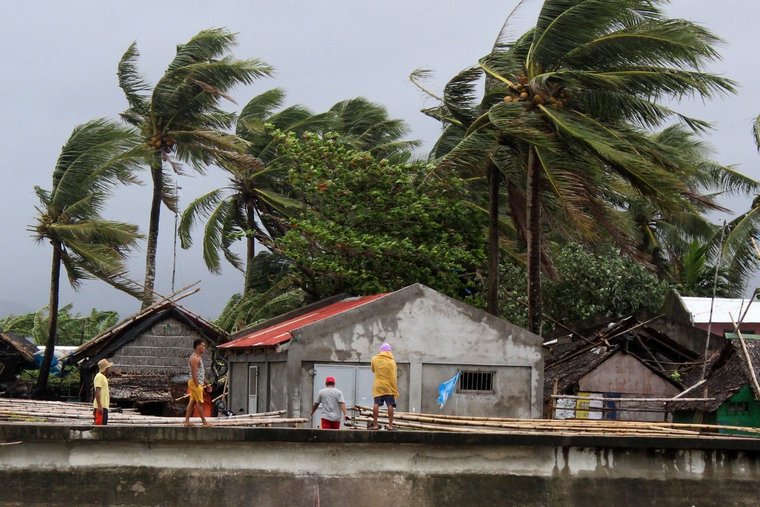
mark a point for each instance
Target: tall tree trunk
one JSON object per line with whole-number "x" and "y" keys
{"x": 155, "y": 216}
{"x": 55, "y": 275}
{"x": 535, "y": 299}
{"x": 494, "y": 182}
{"x": 250, "y": 246}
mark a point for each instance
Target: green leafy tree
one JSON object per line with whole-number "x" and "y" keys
{"x": 97, "y": 156}
{"x": 371, "y": 226}
{"x": 601, "y": 284}
{"x": 253, "y": 207}
{"x": 585, "y": 85}
{"x": 588, "y": 284}
{"x": 179, "y": 119}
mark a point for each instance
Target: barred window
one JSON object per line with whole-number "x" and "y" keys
{"x": 737, "y": 407}
{"x": 476, "y": 381}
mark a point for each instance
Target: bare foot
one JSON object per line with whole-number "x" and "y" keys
{"x": 188, "y": 423}
{"x": 207, "y": 424}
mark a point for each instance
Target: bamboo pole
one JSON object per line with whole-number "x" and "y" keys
{"x": 677, "y": 396}
{"x": 750, "y": 366}
{"x": 601, "y": 398}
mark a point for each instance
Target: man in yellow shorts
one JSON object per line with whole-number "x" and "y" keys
{"x": 197, "y": 382}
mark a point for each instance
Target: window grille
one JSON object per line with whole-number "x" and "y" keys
{"x": 476, "y": 381}
{"x": 737, "y": 407}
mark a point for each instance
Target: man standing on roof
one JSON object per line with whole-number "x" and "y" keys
{"x": 332, "y": 402}
{"x": 102, "y": 399}
{"x": 197, "y": 382}
{"x": 385, "y": 388}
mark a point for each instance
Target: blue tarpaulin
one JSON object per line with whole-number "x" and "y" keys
{"x": 446, "y": 388}
{"x": 55, "y": 365}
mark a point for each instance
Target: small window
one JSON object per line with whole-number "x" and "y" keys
{"x": 476, "y": 381}
{"x": 737, "y": 407}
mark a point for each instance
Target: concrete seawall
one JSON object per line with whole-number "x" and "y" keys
{"x": 82, "y": 465}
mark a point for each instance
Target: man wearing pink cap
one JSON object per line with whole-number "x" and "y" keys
{"x": 385, "y": 388}
{"x": 333, "y": 404}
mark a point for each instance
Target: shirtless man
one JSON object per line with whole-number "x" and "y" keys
{"x": 197, "y": 382}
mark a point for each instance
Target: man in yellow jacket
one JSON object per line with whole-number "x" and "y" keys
{"x": 385, "y": 388}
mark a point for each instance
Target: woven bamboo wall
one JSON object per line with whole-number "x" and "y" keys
{"x": 163, "y": 349}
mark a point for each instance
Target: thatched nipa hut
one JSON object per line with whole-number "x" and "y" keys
{"x": 150, "y": 351}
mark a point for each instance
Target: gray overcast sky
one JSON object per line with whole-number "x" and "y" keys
{"x": 59, "y": 62}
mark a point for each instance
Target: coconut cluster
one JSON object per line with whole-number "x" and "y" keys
{"x": 521, "y": 92}
{"x": 162, "y": 142}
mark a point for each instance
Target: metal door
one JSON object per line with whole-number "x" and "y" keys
{"x": 344, "y": 380}
{"x": 364, "y": 380}
{"x": 253, "y": 389}
{"x": 355, "y": 382}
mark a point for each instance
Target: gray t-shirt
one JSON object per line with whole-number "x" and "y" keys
{"x": 329, "y": 400}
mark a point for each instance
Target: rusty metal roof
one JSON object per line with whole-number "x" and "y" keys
{"x": 277, "y": 334}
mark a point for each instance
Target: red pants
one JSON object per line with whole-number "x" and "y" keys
{"x": 327, "y": 424}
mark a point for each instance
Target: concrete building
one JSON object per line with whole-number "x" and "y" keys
{"x": 282, "y": 363}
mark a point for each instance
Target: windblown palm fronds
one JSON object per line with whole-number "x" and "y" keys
{"x": 97, "y": 156}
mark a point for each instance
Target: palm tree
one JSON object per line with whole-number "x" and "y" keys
{"x": 98, "y": 155}
{"x": 742, "y": 234}
{"x": 257, "y": 199}
{"x": 365, "y": 126}
{"x": 237, "y": 211}
{"x": 584, "y": 85}
{"x": 739, "y": 247}
{"x": 72, "y": 329}
{"x": 665, "y": 237}
{"x": 482, "y": 167}
{"x": 179, "y": 120}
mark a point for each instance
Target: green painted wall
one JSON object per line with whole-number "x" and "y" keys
{"x": 741, "y": 409}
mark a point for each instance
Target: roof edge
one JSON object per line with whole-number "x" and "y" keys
{"x": 289, "y": 315}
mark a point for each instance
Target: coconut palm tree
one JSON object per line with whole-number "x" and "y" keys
{"x": 240, "y": 210}
{"x": 179, "y": 119}
{"x": 366, "y": 126}
{"x": 98, "y": 155}
{"x": 739, "y": 247}
{"x": 677, "y": 241}
{"x": 584, "y": 86}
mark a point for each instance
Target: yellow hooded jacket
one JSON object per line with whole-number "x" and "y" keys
{"x": 384, "y": 368}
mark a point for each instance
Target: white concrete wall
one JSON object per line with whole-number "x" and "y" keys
{"x": 424, "y": 328}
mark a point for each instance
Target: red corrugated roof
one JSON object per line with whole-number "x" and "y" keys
{"x": 281, "y": 333}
